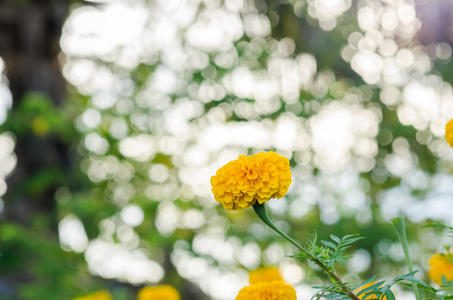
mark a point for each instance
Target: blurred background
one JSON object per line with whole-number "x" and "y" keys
{"x": 115, "y": 114}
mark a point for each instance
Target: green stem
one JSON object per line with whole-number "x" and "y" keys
{"x": 398, "y": 225}
{"x": 260, "y": 210}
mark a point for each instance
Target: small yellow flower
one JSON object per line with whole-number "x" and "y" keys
{"x": 441, "y": 265}
{"x": 161, "y": 292}
{"x": 99, "y": 295}
{"x": 40, "y": 126}
{"x": 272, "y": 290}
{"x": 449, "y": 133}
{"x": 242, "y": 182}
{"x": 264, "y": 275}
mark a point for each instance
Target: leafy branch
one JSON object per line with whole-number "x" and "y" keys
{"x": 329, "y": 253}
{"x": 332, "y": 251}
{"x": 260, "y": 210}
{"x": 332, "y": 291}
{"x": 444, "y": 293}
{"x": 376, "y": 290}
{"x": 338, "y": 249}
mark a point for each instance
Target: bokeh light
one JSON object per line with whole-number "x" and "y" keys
{"x": 179, "y": 88}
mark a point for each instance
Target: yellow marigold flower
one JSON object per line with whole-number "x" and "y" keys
{"x": 99, "y": 295}
{"x": 449, "y": 133}
{"x": 242, "y": 182}
{"x": 440, "y": 265}
{"x": 272, "y": 290}
{"x": 161, "y": 292}
{"x": 264, "y": 275}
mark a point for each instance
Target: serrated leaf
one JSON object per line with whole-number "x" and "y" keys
{"x": 371, "y": 295}
{"x": 350, "y": 241}
{"x": 350, "y": 235}
{"x": 416, "y": 280}
{"x": 410, "y": 274}
{"x": 363, "y": 283}
{"x": 371, "y": 288}
{"x": 329, "y": 244}
{"x": 332, "y": 296}
{"x": 335, "y": 238}
{"x": 320, "y": 287}
{"x": 389, "y": 295}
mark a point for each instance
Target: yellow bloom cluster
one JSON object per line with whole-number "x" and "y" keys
{"x": 99, "y": 295}
{"x": 242, "y": 182}
{"x": 271, "y": 290}
{"x": 161, "y": 292}
{"x": 441, "y": 265}
{"x": 449, "y": 132}
{"x": 266, "y": 284}
{"x": 264, "y": 275}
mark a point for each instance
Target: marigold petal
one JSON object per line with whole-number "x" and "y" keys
{"x": 241, "y": 182}
{"x": 99, "y": 295}
{"x": 449, "y": 132}
{"x": 264, "y": 274}
{"x": 441, "y": 265}
{"x": 273, "y": 290}
{"x": 161, "y": 292}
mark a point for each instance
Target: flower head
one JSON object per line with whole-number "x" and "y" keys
{"x": 449, "y": 133}
{"x": 99, "y": 295}
{"x": 161, "y": 292}
{"x": 264, "y": 275}
{"x": 242, "y": 182}
{"x": 441, "y": 265}
{"x": 272, "y": 290}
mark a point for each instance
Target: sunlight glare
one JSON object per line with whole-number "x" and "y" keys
{"x": 115, "y": 261}
{"x": 72, "y": 234}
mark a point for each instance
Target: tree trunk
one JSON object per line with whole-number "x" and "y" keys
{"x": 29, "y": 45}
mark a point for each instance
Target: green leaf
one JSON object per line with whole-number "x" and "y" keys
{"x": 363, "y": 283}
{"x": 373, "y": 287}
{"x": 332, "y": 296}
{"x": 405, "y": 276}
{"x": 416, "y": 280}
{"x": 437, "y": 224}
{"x": 335, "y": 238}
{"x": 329, "y": 244}
{"x": 389, "y": 295}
